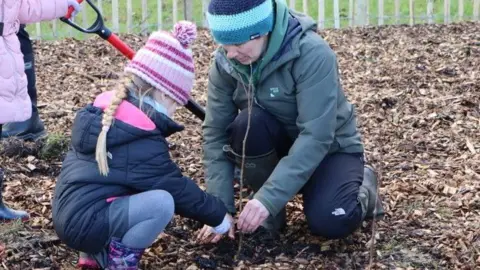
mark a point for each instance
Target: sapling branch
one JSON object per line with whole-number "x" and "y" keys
{"x": 374, "y": 229}
{"x": 249, "y": 94}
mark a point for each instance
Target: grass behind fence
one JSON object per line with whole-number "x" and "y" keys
{"x": 420, "y": 12}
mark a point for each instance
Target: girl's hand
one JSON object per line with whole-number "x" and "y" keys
{"x": 75, "y": 5}
{"x": 207, "y": 234}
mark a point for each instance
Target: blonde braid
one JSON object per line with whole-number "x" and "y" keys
{"x": 101, "y": 152}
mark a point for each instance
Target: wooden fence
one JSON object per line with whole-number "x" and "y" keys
{"x": 143, "y": 16}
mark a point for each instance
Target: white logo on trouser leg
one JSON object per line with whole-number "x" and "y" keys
{"x": 338, "y": 212}
{"x": 250, "y": 165}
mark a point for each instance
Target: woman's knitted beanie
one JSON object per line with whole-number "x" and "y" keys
{"x": 238, "y": 21}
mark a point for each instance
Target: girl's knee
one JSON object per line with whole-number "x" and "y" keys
{"x": 162, "y": 204}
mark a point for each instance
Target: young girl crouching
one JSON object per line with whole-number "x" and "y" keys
{"x": 118, "y": 188}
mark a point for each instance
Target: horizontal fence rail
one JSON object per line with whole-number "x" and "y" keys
{"x": 144, "y": 16}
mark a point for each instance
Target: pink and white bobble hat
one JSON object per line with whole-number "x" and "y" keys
{"x": 166, "y": 61}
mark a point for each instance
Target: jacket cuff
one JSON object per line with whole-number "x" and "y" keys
{"x": 223, "y": 227}
{"x": 272, "y": 209}
{"x": 218, "y": 217}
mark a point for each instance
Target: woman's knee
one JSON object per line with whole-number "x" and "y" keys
{"x": 333, "y": 223}
{"x": 264, "y": 128}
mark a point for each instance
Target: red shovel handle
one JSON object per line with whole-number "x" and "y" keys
{"x": 121, "y": 46}
{"x": 99, "y": 28}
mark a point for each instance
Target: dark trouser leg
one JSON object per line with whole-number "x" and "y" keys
{"x": 267, "y": 141}
{"x": 330, "y": 197}
{"x": 7, "y": 213}
{"x": 32, "y": 128}
{"x": 265, "y": 134}
{"x": 340, "y": 194}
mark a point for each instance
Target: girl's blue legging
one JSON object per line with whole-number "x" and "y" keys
{"x": 138, "y": 220}
{"x": 148, "y": 215}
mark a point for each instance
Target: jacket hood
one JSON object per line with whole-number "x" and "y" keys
{"x": 298, "y": 24}
{"x": 88, "y": 125}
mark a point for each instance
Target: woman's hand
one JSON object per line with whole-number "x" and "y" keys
{"x": 252, "y": 216}
{"x": 207, "y": 234}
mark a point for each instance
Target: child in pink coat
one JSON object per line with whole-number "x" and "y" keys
{"x": 15, "y": 104}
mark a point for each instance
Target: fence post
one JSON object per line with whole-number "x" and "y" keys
{"x": 145, "y": 16}
{"x": 175, "y": 11}
{"x": 367, "y": 12}
{"x": 360, "y": 12}
{"x": 446, "y": 11}
{"x": 397, "y": 11}
{"x": 188, "y": 10}
{"x": 292, "y": 4}
{"x": 350, "y": 13}
{"x": 430, "y": 11}
{"x": 100, "y": 6}
{"x": 412, "y": 13}
{"x": 336, "y": 13}
{"x": 115, "y": 22}
{"x": 321, "y": 14}
{"x": 305, "y": 6}
{"x": 476, "y": 10}
{"x": 204, "y": 13}
{"x": 70, "y": 29}
{"x": 54, "y": 29}
{"x": 129, "y": 16}
{"x": 380, "y": 12}
{"x": 159, "y": 14}
{"x": 84, "y": 16}
{"x": 38, "y": 30}
{"x": 460, "y": 10}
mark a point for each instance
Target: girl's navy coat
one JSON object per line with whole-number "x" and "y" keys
{"x": 139, "y": 161}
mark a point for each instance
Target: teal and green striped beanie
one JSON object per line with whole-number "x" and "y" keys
{"x": 238, "y": 21}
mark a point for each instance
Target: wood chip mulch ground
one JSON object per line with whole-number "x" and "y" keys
{"x": 417, "y": 94}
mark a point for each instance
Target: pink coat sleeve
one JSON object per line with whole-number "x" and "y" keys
{"x": 32, "y": 11}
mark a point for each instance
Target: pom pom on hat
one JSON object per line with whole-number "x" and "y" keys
{"x": 185, "y": 32}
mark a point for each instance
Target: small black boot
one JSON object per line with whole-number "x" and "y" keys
{"x": 368, "y": 195}
{"x": 29, "y": 130}
{"x": 6, "y": 213}
{"x": 33, "y": 128}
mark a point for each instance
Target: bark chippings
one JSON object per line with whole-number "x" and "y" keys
{"x": 417, "y": 95}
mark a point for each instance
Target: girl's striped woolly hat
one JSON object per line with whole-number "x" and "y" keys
{"x": 166, "y": 61}
{"x": 238, "y": 21}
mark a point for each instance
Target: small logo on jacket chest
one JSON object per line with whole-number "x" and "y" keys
{"x": 274, "y": 91}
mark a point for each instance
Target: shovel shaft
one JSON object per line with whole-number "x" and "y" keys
{"x": 121, "y": 46}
